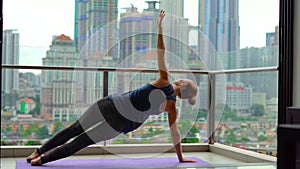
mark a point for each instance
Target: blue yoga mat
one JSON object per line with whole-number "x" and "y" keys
{"x": 163, "y": 162}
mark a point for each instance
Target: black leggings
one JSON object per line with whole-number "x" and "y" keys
{"x": 89, "y": 129}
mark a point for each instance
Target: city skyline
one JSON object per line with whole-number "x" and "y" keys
{"x": 33, "y": 46}
{"x": 50, "y": 96}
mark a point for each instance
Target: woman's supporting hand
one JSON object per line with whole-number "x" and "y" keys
{"x": 186, "y": 160}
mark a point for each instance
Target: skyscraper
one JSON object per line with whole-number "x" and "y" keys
{"x": 10, "y": 77}
{"x": 90, "y": 16}
{"x": 270, "y": 38}
{"x": 136, "y": 32}
{"x": 176, "y": 9}
{"x": 219, "y": 20}
{"x": 60, "y": 90}
{"x": 176, "y": 28}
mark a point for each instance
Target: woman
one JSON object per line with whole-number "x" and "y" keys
{"x": 122, "y": 113}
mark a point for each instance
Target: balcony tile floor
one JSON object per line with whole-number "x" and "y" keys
{"x": 216, "y": 161}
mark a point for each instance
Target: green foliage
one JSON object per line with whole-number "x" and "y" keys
{"x": 201, "y": 114}
{"x": 185, "y": 126}
{"x": 153, "y": 133}
{"x": 8, "y": 143}
{"x": 190, "y": 140}
{"x": 150, "y": 129}
{"x": 169, "y": 140}
{"x": 192, "y": 132}
{"x": 73, "y": 118}
{"x": 248, "y": 118}
{"x": 132, "y": 141}
{"x": 118, "y": 141}
{"x": 33, "y": 128}
{"x": 230, "y": 115}
{"x": 58, "y": 126}
{"x": 32, "y": 142}
{"x": 261, "y": 138}
{"x": 231, "y": 137}
{"x": 43, "y": 132}
{"x": 245, "y": 138}
{"x": 37, "y": 108}
{"x": 227, "y": 108}
{"x": 7, "y": 129}
{"x": 258, "y": 110}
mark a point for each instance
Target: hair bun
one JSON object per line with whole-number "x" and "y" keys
{"x": 192, "y": 101}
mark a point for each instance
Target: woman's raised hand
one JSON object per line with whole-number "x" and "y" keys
{"x": 161, "y": 16}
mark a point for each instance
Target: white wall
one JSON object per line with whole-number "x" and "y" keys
{"x": 296, "y": 72}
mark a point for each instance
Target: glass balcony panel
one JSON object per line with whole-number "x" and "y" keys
{"x": 253, "y": 43}
{"x": 249, "y": 118}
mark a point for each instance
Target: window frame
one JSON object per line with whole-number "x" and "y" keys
{"x": 286, "y": 55}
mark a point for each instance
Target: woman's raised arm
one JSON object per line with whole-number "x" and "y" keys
{"x": 162, "y": 67}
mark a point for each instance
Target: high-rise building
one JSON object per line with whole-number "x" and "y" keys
{"x": 26, "y": 85}
{"x": 176, "y": 28}
{"x": 270, "y": 38}
{"x": 90, "y": 16}
{"x": 61, "y": 90}
{"x": 62, "y": 52}
{"x": 136, "y": 33}
{"x": 176, "y": 9}
{"x": 239, "y": 96}
{"x": 219, "y": 20}
{"x": 10, "y": 77}
{"x": 260, "y": 57}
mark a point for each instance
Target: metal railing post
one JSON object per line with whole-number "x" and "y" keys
{"x": 211, "y": 107}
{"x": 105, "y": 83}
{"x": 105, "y": 90}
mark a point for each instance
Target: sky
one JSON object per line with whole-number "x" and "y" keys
{"x": 38, "y": 23}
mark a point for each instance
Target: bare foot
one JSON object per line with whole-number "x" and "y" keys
{"x": 34, "y": 155}
{"x": 37, "y": 161}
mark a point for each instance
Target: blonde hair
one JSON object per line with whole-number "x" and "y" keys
{"x": 189, "y": 92}
{"x": 192, "y": 101}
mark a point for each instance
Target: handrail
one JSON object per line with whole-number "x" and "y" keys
{"x": 244, "y": 70}
{"x": 211, "y": 83}
{"x": 114, "y": 69}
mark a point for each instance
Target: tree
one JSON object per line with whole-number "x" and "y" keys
{"x": 231, "y": 137}
{"x": 151, "y": 129}
{"x": 37, "y": 108}
{"x": 262, "y": 138}
{"x": 185, "y": 126}
{"x": 258, "y": 110}
{"x": 192, "y": 132}
{"x": 58, "y": 125}
{"x": 244, "y": 138}
{"x": 230, "y": 115}
{"x": 7, "y": 129}
{"x": 202, "y": 114}
{"x": 43, "y": 132}
{"x": 227, "y": 108}
{"x": 33, "y": 128}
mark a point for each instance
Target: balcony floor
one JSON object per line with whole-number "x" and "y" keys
{"x": 216, "y": 161}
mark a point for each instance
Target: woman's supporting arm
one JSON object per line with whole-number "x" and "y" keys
{"x": 176, "y": 138}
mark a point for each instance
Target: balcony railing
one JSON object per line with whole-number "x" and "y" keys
{"x": 211, "y": 82}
